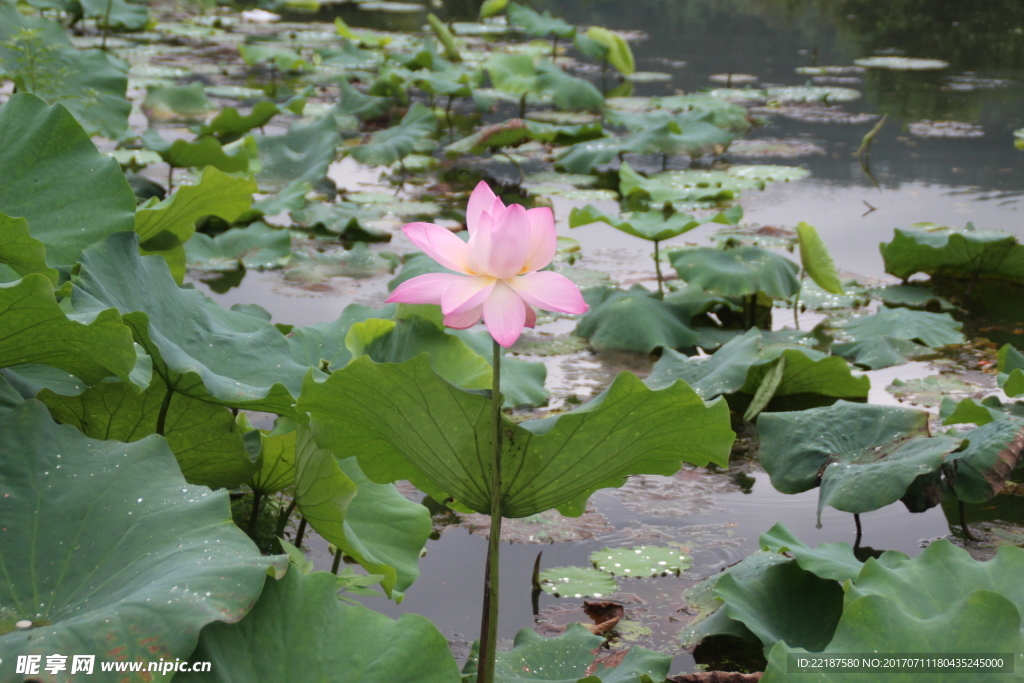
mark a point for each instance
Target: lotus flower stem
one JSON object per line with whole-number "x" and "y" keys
{"x": 337, "y": 561}
{"x": 860, "y": 532}
{"x": 657, "y": 269}
{"x": 255, "y": 515}
{"x": 963, "y": 522}
{"x": 299, "y": 533}
{"x": 489, "y": 621}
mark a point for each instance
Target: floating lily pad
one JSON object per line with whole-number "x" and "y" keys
{"x": 797, "y": 94}
{"x": 577, "y": 582}
{"x": 945, "y": 129}
{"x": 828, "y": 70}
{"x": 649, "y": 77}
{"x": 912, "y": 296}
{"x": 769, "y": 173}
{"x": 775, "y": 148}
{"x": 307, "y": 265}
{"x": 256, "y": 246}
{"x": 885, "y": 351}
{"x": 644, "y": 560}
{"x": 543, "y": 527}
{"x": 931, "y": 329}
{"x": 929, "y": 391}
{"x": 730, "y": 79}
{"x": 901, "y": 63}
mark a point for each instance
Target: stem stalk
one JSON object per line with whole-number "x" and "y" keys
{"x": 489, "y": 620}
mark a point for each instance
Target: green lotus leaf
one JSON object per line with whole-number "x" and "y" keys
{"x": 204, "y": 151}
{"x": 687, "y": 135}
{"x": 740, "y": 271}
{"x": 816, "y": 259}
{"x": 394, "y": 144}
{"x": 942, "y": 252}
{"x": 491, "y": 7}
{"x": 931, "y": 329}
{"x": 538, "y": 25}
{"x": 1010, "y": 370}
{"x": 977, "y": 412}
{"x": 309, "y": 265}
{"x": 619, "y": 54}
{"x": 863, "y": 457}
{"x": 298, "y": 624}
{"x": 682, "y": 186}
{"x": 303, "y": 153}
{"x": 567, "y": 91}
{"x": 283, "y": 58}
{"x": 229, "y": 124}
{"x": 313, "y": 345}
{"x": 277, "y": 460}
{"x": 799, "y": 94}
{"x": 168, "y": 224}
{"x": 201, "y": 350}
{"x": 884, "y": 351}
{"x": 36, "y": 330}
{"x": 522, "y": 382}
{"x": 912, "y": 296}
{"x": 512, "y": 73}
{"x": 345, "y": 219}
{"x": 644, "y": 560}
{"x": 978, "y": 472}
{"x": 571, "y": 658}
{"x": 633, "y": 321}
{"x": 204, "y": 437}
{"x": 373, "y": 523}
{"x": 513, "y": 132}
{"x": 359, "y": 104}
{"x": 36, "y": 54}
{"x": 784, "y": 604}
{"x": 577, "y": 582}
{"x": 177, "y": 102}
{"x": 109, "y": 551}
{"x": 439, "y": 436}
{"x": 60, "y": 173}
{"x": 742, "y": 364}
{"x": 834, "y": 561}
{"x": 256, "y": 246}
{"x": 715, "y": 110}
{"x": 584, "y": 156}
{"x": 649, "y": 225}
{"x": 20, "y": 251}
{"x": 930, "y": 391}
{"x": 396, "y": 341}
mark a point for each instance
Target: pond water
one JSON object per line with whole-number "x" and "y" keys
{"x": 915, "y": 175}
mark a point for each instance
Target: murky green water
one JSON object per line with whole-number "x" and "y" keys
{"x": 912, "y": 178}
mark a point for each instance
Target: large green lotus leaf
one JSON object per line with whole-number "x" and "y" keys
{"x": 784, "y": 603}
{"x": 386, "y": 147}
{"x": 203, "y": 436}
{"x": 34, "y": 329}
{"x": 677, "y": 135}
{"x": 978, "y": 472}
{"x": 303, "y": 153}
{"x": 983, "y": 622}
{"x": 522, "y": 382}
{"x": 313, "y": 344}
{"x": 682, "y": 186}
{"x": 277, "y": 459}
{"x": 200, "y": 349}
{"x": 573, "y": 657}
{"x": 395, "y": 341}
{"x": 107, "y": 550}
{"x": 566, "y": 91}
{"x": 649, "y": 225}
{"x": 816, "y": 259}
{"x": 742, "y": 364}
{"x": 117, "y": 14}
{"x": 256, "y": 246}
{"x": 633, "y": 321}
{"x": 358, "y": 104}
{"x": 170, "y": 223}
{"x": 884, "y": 351}
{"x": 584, "y": 156}
{"x": 577, "y": 582}
{"x": 299, "y": 625}
{"x": 956, "y": 253}
{"x": 1010, "y": 370}
{"x": 740, "y": 271}
{"x": 977, "y": 412}
{"x": 834, "y": 561}
{"x": 863, "y": 456}
{"x": 930, "y": 329}
{"x": 619, "y": 54}
{"x": 512, "y": 73}
{"x": 20, "y": 251}
{"x": 70, "y": 194}
{"x": 912, "y": 296}
{"x": 404, "y": 422}
{"x": 538, "y": 25}
{"x": 283, "y": 58}
{"x": 204, "y": 151}
{"x": 373, "y": 523}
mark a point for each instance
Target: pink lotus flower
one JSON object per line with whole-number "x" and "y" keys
{"x": 499, "y": 266}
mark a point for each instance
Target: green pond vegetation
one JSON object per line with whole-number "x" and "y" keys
{"x": 165, "y": 461}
